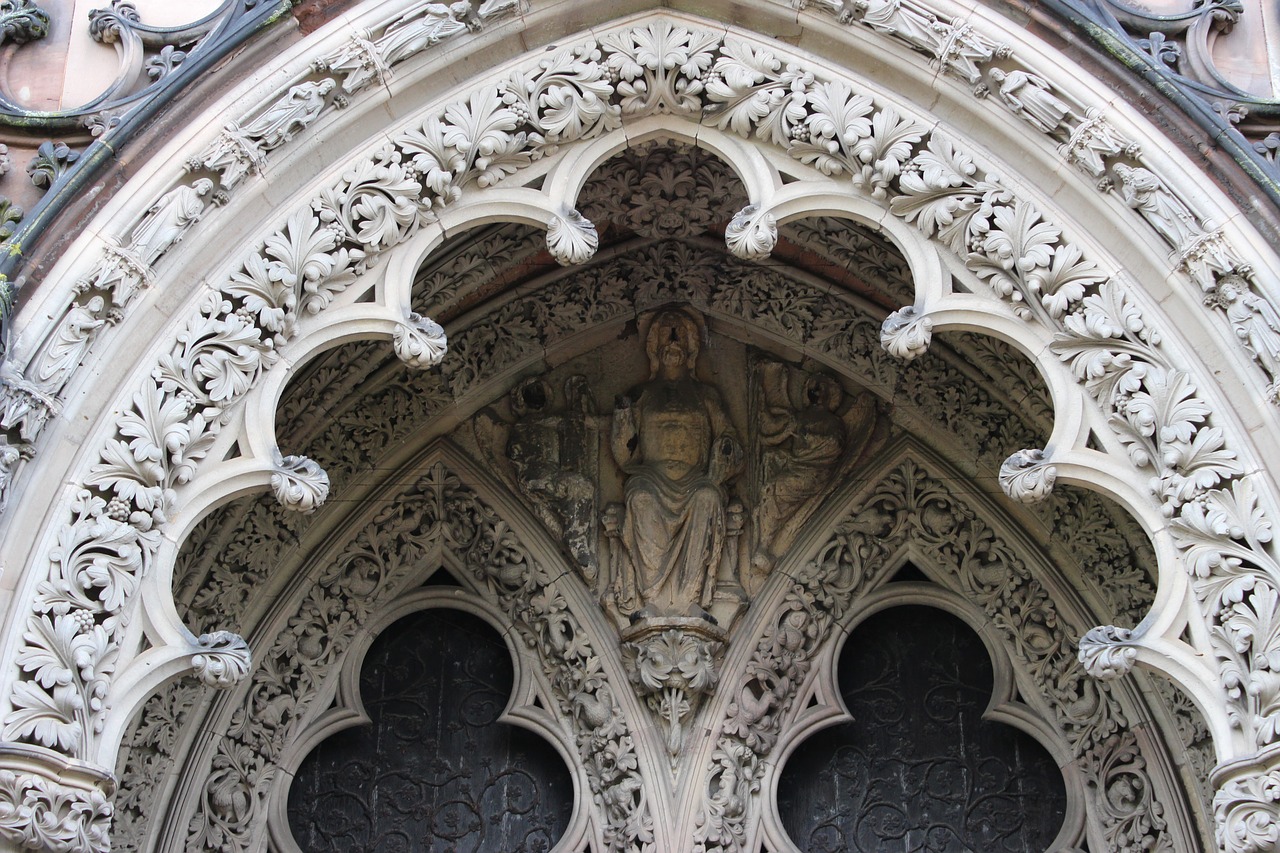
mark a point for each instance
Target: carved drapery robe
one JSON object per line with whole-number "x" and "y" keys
{"x": 677, "y": 449}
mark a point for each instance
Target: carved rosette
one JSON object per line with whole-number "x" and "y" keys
{"x": 673, "y": 663}
{"x": 906, "y": 334}
{"x": 420, "y": 342}
{"x": 1026, "y": 477}
{"x": 752, "y": 233}
{"x": 300, "y": 484}
{"x": 571, "y": 238}
{"x": 1106, "y": 652}
{"x": 223, "y": 659}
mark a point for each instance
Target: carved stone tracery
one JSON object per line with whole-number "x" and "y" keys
{"x": 221, "y": 355}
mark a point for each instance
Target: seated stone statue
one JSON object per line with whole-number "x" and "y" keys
{"x": 673, "y": 440}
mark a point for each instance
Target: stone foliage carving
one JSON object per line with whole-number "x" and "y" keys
{"x": 571, "y": 238}
{"x": 223, "y": 659}
{"x": 905, "y": 334}
{"x": 300, "y": 484}
{"x": 752, "y": 233}
{"x": 402, "y": 542}
{"x": 498, "y": 129}
{"x": 909, "y": 504}
{"x": 1105, "y": 652}
{"x": 1027, "y": 477}
{"x": 22, "y": 21}
{"x": 43, "y": 815}
{"x": 663, "y": 190}
{"x": 420, "y": 343}
{"x": 1247, "y": 813}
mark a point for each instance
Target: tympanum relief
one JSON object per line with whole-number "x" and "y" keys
{"x": 676, "y": 504}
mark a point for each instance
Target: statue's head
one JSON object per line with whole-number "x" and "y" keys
{"x": 674, "y": 340}
{"x": 823, "y": 391}
{"x": 531, "y": 396}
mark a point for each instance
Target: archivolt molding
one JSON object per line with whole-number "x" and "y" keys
{"x": 740, "y": 87}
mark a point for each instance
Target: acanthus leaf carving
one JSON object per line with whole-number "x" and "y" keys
{"x": 40, "y": 814}
{"x": 1027, "y": 476}
{"x": 1106, "y": 652}
{"x": 752, "y": 233}
{"x": 1247, "y": 813}
{"x": 299, "y": 484}
{"x": 223, "y": 659}
{"x": 571, "y": 238}
{"x": 906, "y": 334}
{"x": 420, "y": 342}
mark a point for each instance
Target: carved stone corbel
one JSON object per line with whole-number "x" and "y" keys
{"x": 1107, "y": 652}
{"x": 673, "y": 662}
{"x": 223, "y": 659}
{"x": 1027, "y": 476}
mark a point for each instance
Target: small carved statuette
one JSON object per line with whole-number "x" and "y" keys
{"x": 1032, "y": 98}
{"x": 367, "y": 59}
{"x": 1255, "y": 323}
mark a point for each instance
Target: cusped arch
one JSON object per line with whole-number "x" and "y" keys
{"x": 1196, "y": 453}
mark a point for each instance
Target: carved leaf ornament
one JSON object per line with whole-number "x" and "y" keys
{"x": 580, "y": 92}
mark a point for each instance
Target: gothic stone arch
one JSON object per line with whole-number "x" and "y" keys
{"x": 137, "y": 427}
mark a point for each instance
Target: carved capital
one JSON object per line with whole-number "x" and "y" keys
{"x": 420, "y": 342}
{"x": 223, "y": 659}
{"x": 47, "y": 803}
{"x": 906, "y": 334}
{"x": 571, "y": 238}
{"x": 1027, "y": 477}
{"x": 300, "y": 484}
{"x": 1246, "y": 811}
{"x": 1106, "y": 652}
{"x": 752, "y": 233}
